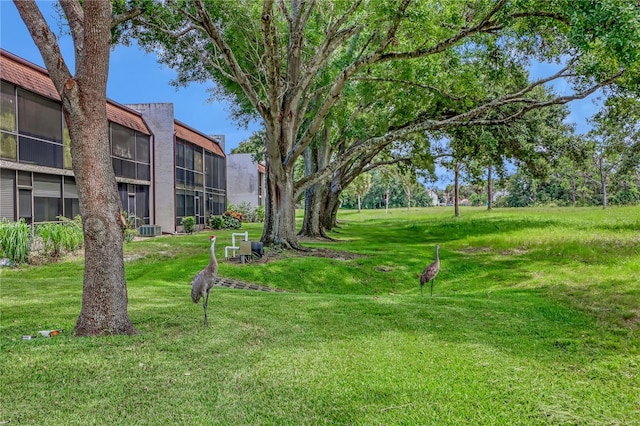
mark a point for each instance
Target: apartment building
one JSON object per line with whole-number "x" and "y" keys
{"x": 164, "y": 169}
{"x": 246, "y": 180}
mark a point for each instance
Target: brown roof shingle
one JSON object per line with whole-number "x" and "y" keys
{"x": 193, "y": 136}
{"x": 26, "y": 75}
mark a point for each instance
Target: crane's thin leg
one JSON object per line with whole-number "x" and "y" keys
{"x": 421, "y": 290}
{"x": 432, "y": 287}
{"x": 204, "y": 305}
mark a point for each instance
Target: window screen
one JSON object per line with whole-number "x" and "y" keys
{"x": 40, "y": 152}
{"x": 8, "y": 146}
{"x": 7, "y": 194}
{"x": 142, "y": 202}
{"x": 39, "y": 117}
{"x": 142, "y": 148}
{"x": 8, "y": 107}
{"x": 123, "y": 141}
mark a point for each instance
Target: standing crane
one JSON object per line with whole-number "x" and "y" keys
{"x": 205, "y": 279}
{"x": 429, "y": 273}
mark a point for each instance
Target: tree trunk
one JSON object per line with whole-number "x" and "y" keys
{"x": 489, "y": 189}
{"x": 386, "y": 202}
{"x": 603, "y": 181}
{"x": 456, "y": 191}
{"x": 329, "y": 215}
{"x": 573, "y": 190}
{"x": 315, "y": 157}
{"x": 359, "y": 206}
{"x": 104, "y": 295}
{"x": 280, "y": 219}
{"x": 312, "y": 206}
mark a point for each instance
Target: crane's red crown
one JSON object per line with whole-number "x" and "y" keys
{"x": 212, "y": 237}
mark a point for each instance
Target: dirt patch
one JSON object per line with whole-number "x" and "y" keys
{"x": 514, "y": 252}
{"x": 475, "y": 250}
{"x": 272, "y": 255}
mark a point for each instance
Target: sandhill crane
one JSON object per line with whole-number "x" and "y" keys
{"x": 205, "y": 279}
{"x": 430, "y": 272}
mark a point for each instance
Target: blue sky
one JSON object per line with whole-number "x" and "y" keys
{"x": 136, "y": 77}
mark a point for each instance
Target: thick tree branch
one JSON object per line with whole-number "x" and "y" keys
{"x": 340, "y": 82}
{"x": 75, "y": 18}
{"x": 240, "y": 77}
{"x": 410, "y": 83}
{"x": 272, "y": 62}
{"x": 126, "y": 16}
{"x": 46, "y": 42}
{"x": 375, "y": 144}
{"x": 487, "y": 24}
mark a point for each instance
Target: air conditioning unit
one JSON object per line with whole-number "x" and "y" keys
{"x": 150, "y": 230}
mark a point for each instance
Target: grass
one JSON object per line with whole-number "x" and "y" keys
{"x": 535, "y": 320}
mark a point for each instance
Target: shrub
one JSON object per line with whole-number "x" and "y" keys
{"x": 132, "y": 221}
{"x": 130, "y": 234}
{"x": 189, "y": 224}
{"x": 60, "y": 237}
{"x": 51, "y": 234}
{"x": 234, "y": 214}
{"x": 231, "y": 222}
{"x": 247, "y": 213}
{"x": 74, "y": 236}
{"x": 224, "y": 222}
{"x": 15, "y": 240}
{"x": 216, "y": 222}
{"x": 628, "y": 196}
{"x": 259, "y": 211}
{"x": 131, "y": 226}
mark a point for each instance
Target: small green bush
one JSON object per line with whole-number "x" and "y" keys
{"x": 189, "y": 224}
{"x": 64, "y": 236}
{"x": 259, "y": 212}
{"x": 231, "y": 222}
{"x": 216, "y": 222}
{"x": 74, "y": 235}
{"x": 51, "y": 234}
{"x": 626, "y": 197}
{"x": 130, "y": 234}
{"x": 245, "y": 213}
{"x": 224, "y": 222}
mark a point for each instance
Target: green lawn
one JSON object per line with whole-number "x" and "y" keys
{"x": 535, "y": 319}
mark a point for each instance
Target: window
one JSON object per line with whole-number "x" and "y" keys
{"x": 179, "y": 155}
{"x": 185, "y": 204}
{"x": 39, "y": 117}
{"x": 135, "y": 200}
{"x": 197, "y": 160}
{"x": 7, "y": 194}
{"x": 71, "y": 203}
{"x": 215, "y": 171}
{"x": 142, "y": 148}
{"x": 8, "y": 144}
{"x": 8, "y": 107}
{"x": 188, "y": 157}
{"x": 130, "y": 153}
{"x": 24, "y": 205}
{"x": 47, "y": 204}
{"x": 123, "y": 142}
{"x": 142, "y": 203}
{"x": 143, "y": 171}
{"x": 40, "y": 152}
